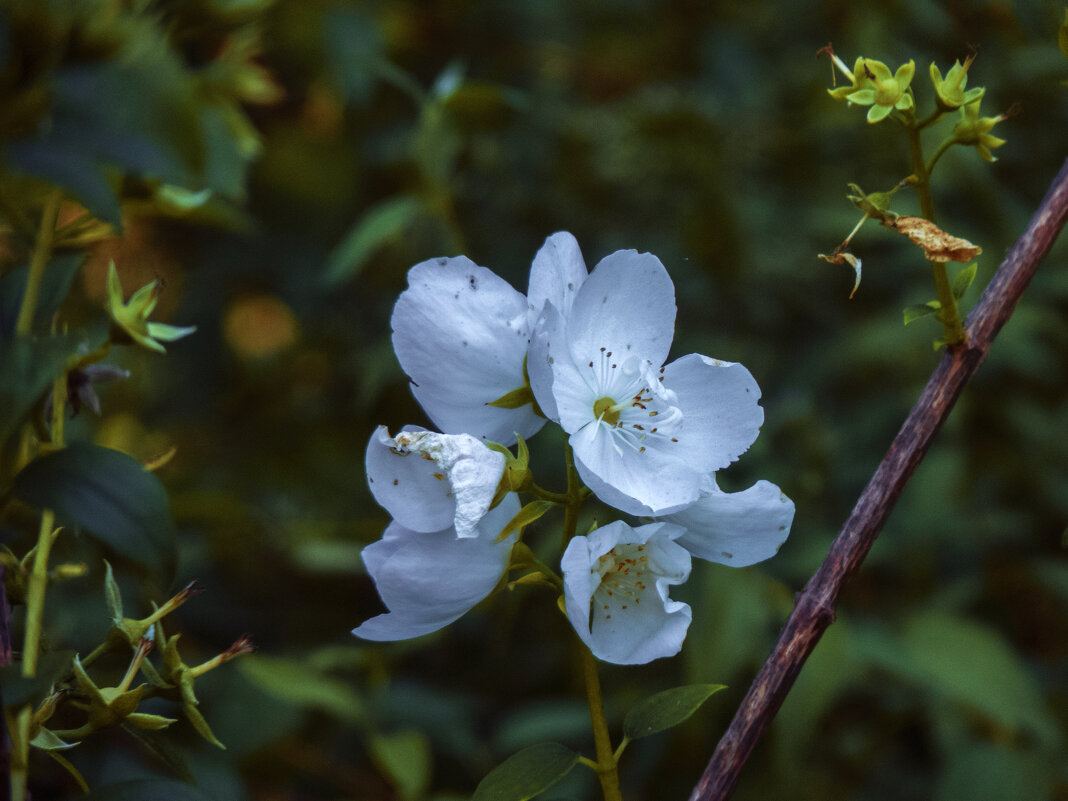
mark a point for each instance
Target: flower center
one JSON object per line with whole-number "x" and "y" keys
{"x": 605, "y": 409}
{"x": 887, "y": 92}
{"x": 631, "y": 402}
{"x": 622, "y": 572}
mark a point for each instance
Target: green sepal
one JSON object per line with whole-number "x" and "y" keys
{"x": 201, "y": 725}
{"x": 527, "y": 773}
{"x": 964, "y": 280}
{"x": 143, "y": 720}
{"x": 514, "y": 399}
{"x": 666, "y": 709}
{"x": 913, "y": 313}
{"x": 112, "y": 595}
{"x": 524, "y": 517}
{"x": 48, "y": 740}
{"x": 516, "y": 473}
{"x": 876, "y": 205}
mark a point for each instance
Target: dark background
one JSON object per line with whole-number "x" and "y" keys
{"x": 703, "y": 133}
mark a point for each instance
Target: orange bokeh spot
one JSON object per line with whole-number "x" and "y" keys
{"x": 257, "y": 326}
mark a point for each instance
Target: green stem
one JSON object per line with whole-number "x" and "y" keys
{"x": 42, "y": 252}
{"x": 38, "y": 578}
{"x": 35, "y": 592}
{"x": 921, "y": 175}
{"x": 942, "y": 148}
{"x": 20, "y": 752}
{"x": 935, "y": 116}
{"x": 607, "y": 768}
{"x": 948, "y": 313}
{"x": 576, "y": 494}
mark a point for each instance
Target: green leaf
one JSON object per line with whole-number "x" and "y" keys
{"x": 405, "y": 758}
{"x": 383, "y": 223}
{"x": 989, "y": 772}
{"x": 110, "y": 495}
{"x": 524, "y": 517}
{"x": 527, "y": 773}
{"x": 666, "y": 709}
{"x": 146, "y": 790}
{"x": 964, "y": 280}
{"x": 301, "y": 684}
{"x": 27, "y": 369}
{"x": 19, "y": 689}
{"x": 913, "y": 313}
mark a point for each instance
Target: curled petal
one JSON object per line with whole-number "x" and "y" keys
{"x": 429, "y": 580}
{"x": 429, "y": 481}
{"x": 736, "y": 528}
{"x": 616, "y": 583}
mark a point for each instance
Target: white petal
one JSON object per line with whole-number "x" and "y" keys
{"x": 547, "y": 344}
{"x": 638, "y": 629}
{"x": 627, "y": 306}
{"x": 736, "y": 528}
{"x": 429, "y": 481}
{"x": 429, "y": 580}
{"x": 721, "y": 414}
{"x": 648, "y": 484}
{"x": 460, "y": 333}
{"x": 556, "y": 275}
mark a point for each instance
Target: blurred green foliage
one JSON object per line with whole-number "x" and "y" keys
{"x": 344, "y": 142}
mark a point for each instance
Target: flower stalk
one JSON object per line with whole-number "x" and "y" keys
{"x": 42, "y": 252}
{"x": 607, "y": 765}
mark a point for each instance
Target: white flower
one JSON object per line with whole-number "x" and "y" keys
{"x": 644, "y": 436}
{"x": 736, "y": 528}
{"x": 430, "y": 482}
{"x": 428, "y": 580}
{"x": 616, "y": 583}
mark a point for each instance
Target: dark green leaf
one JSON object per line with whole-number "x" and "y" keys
{"x": 298, "y": 683}
{"x": 19, "y": 689}
{"x": 913, "y": 313}
{"x": 27, "y": 369}
{"x": 405, "y": 758}
{"x": 147, "y": 790}
{"x": 964, "y": 280}
{"x": 110, "y": 495}
{"x": 527, "y": 773}
{"x": 666, "y": 709}
{"x": 382, "y": 224}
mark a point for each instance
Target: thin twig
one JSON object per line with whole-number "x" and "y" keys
{"x": 814, "y": 609}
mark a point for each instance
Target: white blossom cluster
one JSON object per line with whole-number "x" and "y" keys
{"x": 647, "y": 439}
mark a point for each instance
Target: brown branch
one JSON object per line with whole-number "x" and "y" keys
{"x": 814, "y": 609}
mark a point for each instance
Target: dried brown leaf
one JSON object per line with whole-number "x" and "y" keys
{"x": 937, "y": 244}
